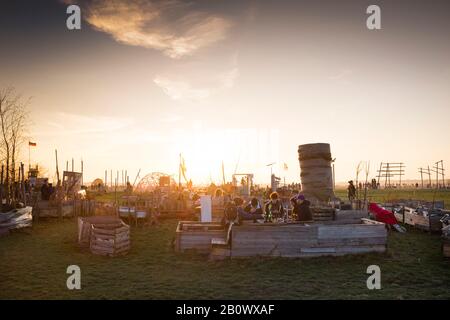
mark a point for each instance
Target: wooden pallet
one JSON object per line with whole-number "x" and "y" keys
{"x": 85, "y": 227}
{"x": 419, "y": 221}
{"x": 110, "y": 241}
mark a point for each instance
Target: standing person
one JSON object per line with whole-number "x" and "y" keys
{"x": 351, "y": 191}
{"x": 45, "y": 192}
{"x": 273, "y": 208}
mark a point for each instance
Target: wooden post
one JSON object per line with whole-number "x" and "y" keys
{"x": 429, "y": 176}
{"x": 379, "y": 174}
{"x": 115, "y": 198}
{"x": 57, "y": 170}
{"x": 421, "y": 177}
{"x": 1, "y": 189}
{"x": 24, "y": 199}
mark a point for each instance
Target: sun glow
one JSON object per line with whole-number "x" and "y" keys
{"x": 204, "y": 151}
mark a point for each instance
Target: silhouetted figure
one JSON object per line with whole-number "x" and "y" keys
{"x": 351, "y": 191}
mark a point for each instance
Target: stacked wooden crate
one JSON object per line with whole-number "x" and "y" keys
{"x": 323, "y": 213}
{"x": 85, "y": 226}
{"x": 110, "y": 240}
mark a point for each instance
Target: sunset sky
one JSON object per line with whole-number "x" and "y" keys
{"x": 244, "y": 82}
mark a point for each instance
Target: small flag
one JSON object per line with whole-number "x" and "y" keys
{"x": 183, "y": 168}
{"x": 32, "y": 144}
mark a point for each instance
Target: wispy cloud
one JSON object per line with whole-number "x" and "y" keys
{"x": 342, "y": 77}
{"x": 174, "y": 27}
{"x": 63, "y": 123}
{"x": 183, "y": 89}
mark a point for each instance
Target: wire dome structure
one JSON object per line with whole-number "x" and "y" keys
{"x": 152, "y": 181}
{"x": 97, "y": 182}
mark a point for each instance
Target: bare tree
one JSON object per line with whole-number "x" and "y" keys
{"x": 13, "y": 121}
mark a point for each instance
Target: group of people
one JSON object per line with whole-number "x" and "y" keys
{"x": 238, "y": 211}
{"x": 47, "y": 190}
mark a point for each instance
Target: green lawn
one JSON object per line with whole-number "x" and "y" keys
{"x": 33, "y": 266}
{"x": 385, "y": 195}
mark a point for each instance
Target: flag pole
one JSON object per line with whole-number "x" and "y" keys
{"x": 179, "y": 173}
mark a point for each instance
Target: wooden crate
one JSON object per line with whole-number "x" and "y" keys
{"x": 419, "y": 221}
{"x": 197, "y": 235}
{"x": 85, "y": 226}
{"x": 308, "y": 240}
{"x": 110, "y": 240}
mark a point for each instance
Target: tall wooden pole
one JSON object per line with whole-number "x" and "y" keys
{"x": 57, "y": 170}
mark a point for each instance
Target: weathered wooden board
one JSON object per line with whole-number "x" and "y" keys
{"x": 85, "y": 226}
{"x": 197, "y": 235}
{"x": 110, "y": 240}
{"x": 419, "y": 221}
{"x": 296, "y": 240}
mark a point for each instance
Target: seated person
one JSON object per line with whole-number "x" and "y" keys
{"x": 231, "y": 211}
{"x": 273, "y": 208}
{"x": 252, "y": 211}
{"x": 301, "y": 208}
{"x": 218, "y": 201}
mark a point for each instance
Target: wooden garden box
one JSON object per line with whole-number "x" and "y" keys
{"x": 85, "y": 226}
{"x": 197, "y": 235}
{"x": 110, "y": 240}
{"x": 308, "y": 240}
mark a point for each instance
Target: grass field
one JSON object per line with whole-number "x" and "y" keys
{"x": 34, "y": 267}
{"x": 386, "y": 195}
